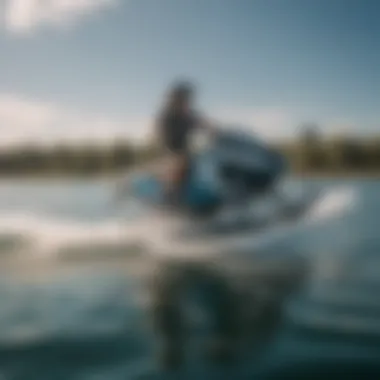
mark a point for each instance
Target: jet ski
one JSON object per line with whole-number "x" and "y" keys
{"x": 233, "y": 172}
{"x": 237, "y": 188}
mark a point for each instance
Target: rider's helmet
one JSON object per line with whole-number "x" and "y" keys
{"x": 182, "y": 90}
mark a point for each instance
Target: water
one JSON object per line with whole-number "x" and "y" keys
{"x": 72, "y": 301}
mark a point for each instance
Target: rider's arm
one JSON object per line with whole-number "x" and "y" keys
{"x": 207, "y": 125}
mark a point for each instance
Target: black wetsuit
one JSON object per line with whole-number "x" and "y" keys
{"x": 175, "y": 131}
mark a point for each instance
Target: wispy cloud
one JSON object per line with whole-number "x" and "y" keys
{"x": 26, "y": 16}
{"x": 27, "y": 120}
{"x": 272, "y": 123}
{"x": 23, "y": 120}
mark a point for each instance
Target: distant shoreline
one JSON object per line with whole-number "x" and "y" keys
{"x": 114, "y": 176}
{"x": 365, "y": 174}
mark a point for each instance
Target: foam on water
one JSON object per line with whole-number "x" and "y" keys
{"x": 49, "y": 236}
{"x": 332, "y": 204}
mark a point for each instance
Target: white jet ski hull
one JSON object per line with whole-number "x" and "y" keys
{"x": 177, "y": 237}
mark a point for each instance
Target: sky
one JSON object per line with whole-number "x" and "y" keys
{"x": 99, "y": 69}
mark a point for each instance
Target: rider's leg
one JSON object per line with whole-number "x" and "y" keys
{"x": 176, "y": 176}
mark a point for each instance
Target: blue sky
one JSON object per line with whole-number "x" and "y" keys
{"x": 98, "y": 68}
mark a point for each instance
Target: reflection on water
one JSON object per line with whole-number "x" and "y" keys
{"x": 80, "y": 301}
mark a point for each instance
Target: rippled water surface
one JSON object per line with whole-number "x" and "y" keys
{"x": 72, "y": 305}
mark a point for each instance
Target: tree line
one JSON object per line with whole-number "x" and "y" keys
{"x": 311, "y": 155}
{"x": 344, "y": 154}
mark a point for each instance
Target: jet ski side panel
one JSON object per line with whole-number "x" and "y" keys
{"x": 195, "y": 196}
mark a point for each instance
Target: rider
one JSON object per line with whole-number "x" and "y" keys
{"x": 174, "y": 127}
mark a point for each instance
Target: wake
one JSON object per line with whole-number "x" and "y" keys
{"x": 46, "y": 237}
{"x": 331, "y": 204}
